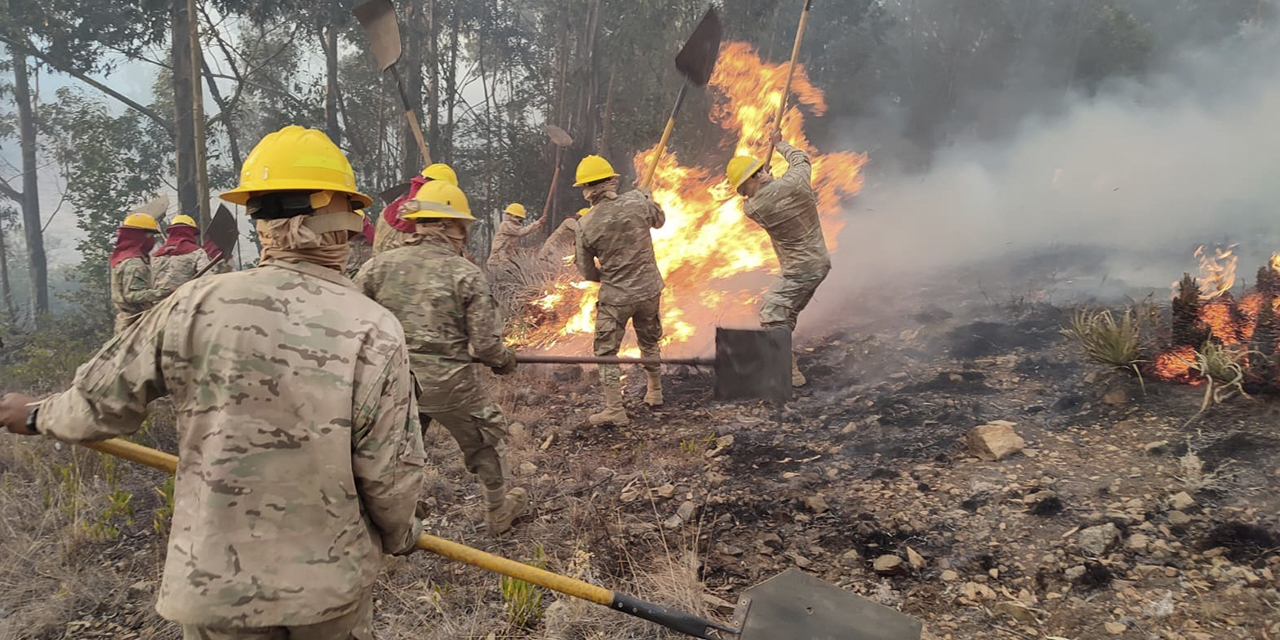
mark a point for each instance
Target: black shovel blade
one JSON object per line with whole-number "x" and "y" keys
{"x": 753, "y": 364}
{"x": 394, "y": 193}
{"x": 378, "y": 17}
{"x": 222, "y": 230}
{"x": 698, "y": 58}
{"x": 797, "y": 606}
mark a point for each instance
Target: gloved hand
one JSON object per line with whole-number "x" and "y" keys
{"x": 417, "y": 531}
{"x": 508, "y": 367}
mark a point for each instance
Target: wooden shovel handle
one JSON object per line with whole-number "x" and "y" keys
{"x": 791, "y": 71}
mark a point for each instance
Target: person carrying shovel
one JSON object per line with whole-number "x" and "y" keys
{"x": 448, "y": 313}
{"x": 787, "y": 209}
{"x": 300, "y": 453}
{"x": 615, "y": 249}
{"x": 132, "y": 291}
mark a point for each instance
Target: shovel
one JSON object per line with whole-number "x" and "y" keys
{"x": 156, "y": 207}
{"x": 749, "y": 363}
{"x": 378, "y": 17}
{"x": 791, "y": 71}
{"x": 789, "y": 606}
{"x": 224, "y": 234}
{"x": 560, "y": 139}
{"x": 695, "y": 62}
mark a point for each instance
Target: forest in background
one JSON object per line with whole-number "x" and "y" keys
{"x": 903, "y": 79}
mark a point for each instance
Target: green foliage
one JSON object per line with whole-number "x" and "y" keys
{"x": 524, "y": 601}
{"x": 45, "y": 359}
{"x": 1222, "y": 371}
{"x": 1105, "y": 340}
{"x": 160, "y": 520}
{"x": 111, "y": 163}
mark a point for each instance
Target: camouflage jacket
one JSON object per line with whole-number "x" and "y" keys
{"x": 787, "y": 209}
{"x": 299, "y": 452}
{"x": 506, "y": 237}
{"x": 173, "y": 271}
{"x": 131, "y": 288}
{"x": 358, "y": 253}
{"x": 616, "y": 233}
{"x": 560, "y": 243}
{"x": 448, "y": 313}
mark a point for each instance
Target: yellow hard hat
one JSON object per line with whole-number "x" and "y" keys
{"x": 140, "y": 221}
{"x": 516, "y": 209}
{"x": 183, "y": 219}
{"x": 441, "y": 171}
{"x": 741, "y": 168}
{"x": 593, "y": 169}
{"x": 438, "y": 200}
{"x": 296, "y": 159}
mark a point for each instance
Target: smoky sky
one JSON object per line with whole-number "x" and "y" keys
{"x": 1143, "y": 169}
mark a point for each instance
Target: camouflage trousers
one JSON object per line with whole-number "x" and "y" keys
{"x": 611, "y": 327}
{"x": 357, "y": 625}
{"x": 480, "y": 429}
{"x": 787, "y": 297}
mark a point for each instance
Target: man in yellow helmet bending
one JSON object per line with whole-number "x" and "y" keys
{"x": 614, "y": 248}
{"x": 391, "y": 231}
{"x": 508, "y": 234}
{"x": 444, "y": 303}
{"x": 300, "y": 457}
{"x": 787, "y": 209}
{"x": 132, "y": 291}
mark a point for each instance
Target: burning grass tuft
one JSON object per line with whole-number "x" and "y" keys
{"x": 1220, "y": 367}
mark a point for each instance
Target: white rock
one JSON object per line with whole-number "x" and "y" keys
{"x": 1181, "y": 501}
{"x": 1096, "y": 541}
{"x": 887, "y": 564}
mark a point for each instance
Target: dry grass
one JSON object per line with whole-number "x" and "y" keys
{"x": 1224, "y": 375}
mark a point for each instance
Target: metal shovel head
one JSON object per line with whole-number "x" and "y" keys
{"x": 156, "y": 207}
{"x": 697, "y": 59}
{"x": 753, "y": 364}
{"x": 223, "y": 231}
{"x": 378, "y": 17}
{"x": 796, "y": 606}
{"x": 394, "y": 193}
{"x": 559, "y": 137}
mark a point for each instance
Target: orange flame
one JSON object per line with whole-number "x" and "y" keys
{"x": 1217, "y": 270}
{"x": 707, "y": 241}
{"x": 1175, "y": 365}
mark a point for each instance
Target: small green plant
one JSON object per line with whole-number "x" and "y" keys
{"x": 1105, "y": 340}
{"x": 524, "y": 600}
{"x": 690, "y": 446}
{"x": 119, "y": 504}
{"x": 160, "y": 520}
{"x": 1221, "y": 369}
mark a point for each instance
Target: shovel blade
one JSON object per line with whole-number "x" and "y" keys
{"x": 222, "y": 231}
{"x": 394, "y": 193}
{"x": 697, "y": 59}
{"x": 753, "y": 364}
{"x": 378, "y": 17}
{"x": 156, "y": 207}
{"x": 798, "y": 606}
{"x": 559, "y": 137}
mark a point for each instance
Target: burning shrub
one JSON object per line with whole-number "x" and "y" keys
{"x": 1107, "y": 341}
{"x": 1220, "y": 367}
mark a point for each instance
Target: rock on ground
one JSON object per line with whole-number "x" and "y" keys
{"x": 995, "y": 441}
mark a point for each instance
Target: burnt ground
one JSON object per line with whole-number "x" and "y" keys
{"x": 869, "y": 460}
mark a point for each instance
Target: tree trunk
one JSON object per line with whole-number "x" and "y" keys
{"x": 6, "y": 291}
{"x": 30, "y": 188}
{"x": 197, "y": 115}
{"x": 607, "y": 118}
{"x": 184, "y": 134}
{"x": 411, "y": 160}
{"x": 433, "y": 76}
{"x": 451, "y": 85}
{"x": 330, "y": 31}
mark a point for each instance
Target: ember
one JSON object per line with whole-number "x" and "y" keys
{"x": 707, "y": 240}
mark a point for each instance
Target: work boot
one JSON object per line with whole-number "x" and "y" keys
{"x": 504, "y": 508}
{"x": 797, "y": 378}
{"x": 614, "y": 413}
{"x": 653, "y": 393}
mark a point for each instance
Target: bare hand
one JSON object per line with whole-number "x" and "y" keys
{"x": 14, "y": 409}
{"x": 775, "y": 138}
